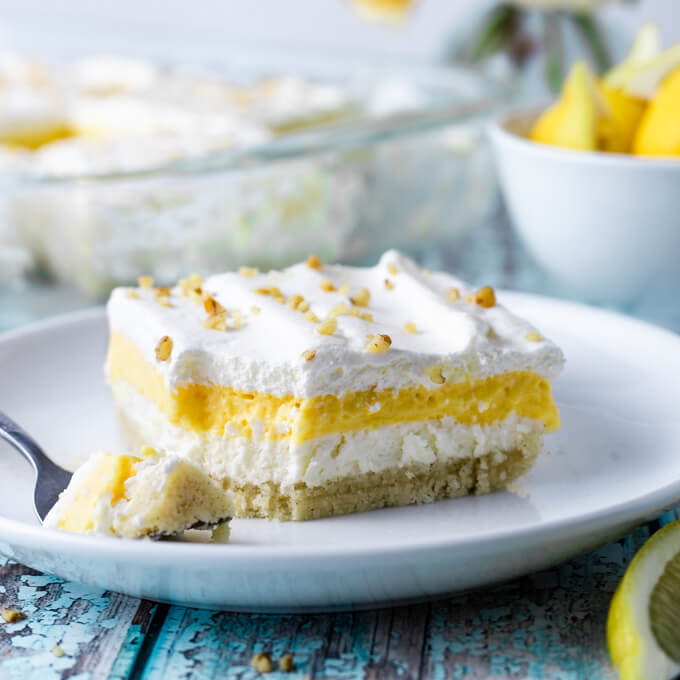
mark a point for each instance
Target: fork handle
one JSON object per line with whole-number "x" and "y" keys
{"x": 52, "y": 478}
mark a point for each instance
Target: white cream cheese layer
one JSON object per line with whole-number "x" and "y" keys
{"x": 265, "y": 354}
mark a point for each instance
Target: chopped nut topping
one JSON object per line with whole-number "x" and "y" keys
{"x": 389, "y": 285}
{"x": 58, "y": 651}
{"x": 310, "y": 316}
{"x": 196, "y": 295}
{"x": 410, "y": 327}
{"x": 162, "y": 291}
{"x": 164, "y": 348}
{"x": 339, "y": 309}
{"x": 294, "y": 301}
{"x": 392, "y": 269}
{"x": 237, "y": 318}
{"x": 327, "y": 327}
{"x": 145, "y": 281}
{"x": 286, "y": 663}
{"x": 262, "y": 663}
{"x": 269, "y": 290}
{"x": 216, "y": 322}
{"x": 379, "y": 343}
{"x": 191, "y": 283}
{"x": 366, "y": 316}
{"x": 303, "y": 306}
{"x": 248, "y": 272}
{"x": 308, "y": 354}
{"x": 434, "y": 373}
{"x": 313, "y": 262}
{"x": 148, "y": 451}
{"x": 533, "y": 336}
{"x": 327, "y": 286}
{"x": 163, "y": 300}
{"x": 485, "y": 297}
{"x": 344, "y": 289}
{"x": 12, "y": 615}
{"x": 255, "y": 309}
{"x": 132, "y": 293}
{"x": 453, "y": 294}
{"x": 361, "y": 298}
{"x": 212, "y": 306}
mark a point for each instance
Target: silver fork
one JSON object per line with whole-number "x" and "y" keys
{"x": 50, "y": 479}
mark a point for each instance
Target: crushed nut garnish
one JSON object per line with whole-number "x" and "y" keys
{"x": 248, "y": 272}
{"x": 262, "y": 663}
{"x": 410, "y": 327}
{"x": 313, "y": 262}
{"x": 12, "y": 615}
{"x": 164, "y": 348}
{"x": 196, "y": 295}
{"x": 303, "y": 306}
{"x": 327, "y": 286}
{"x": 237, "y": 318}
{"x": 389, "y": 285}
{"x": 327, "y": 327}
{"x": 361, "y": 298}
{"x": 147, "y": 451}
{"x": 533, "y": 336}
{"x": 212, "y": 306}
{"x": 370, "y": 336}
{"x": 255, "y": 309}
{"x": 310, "y": 316}
{"x": 366, "y": 316}
{"x": 379, "y": 343}
{"x": 339, "y": 309}
{"x": 132, "y": 293}
{"x": 162, "y": 291}
{"x": 286, "y": 663}
{"x": 294, "y": 301}
{"x": 163, "y": 300}
{"x": 453, "y": 294}
{"x": 192, "y": 282}
{"x": 308, "y": 354}
{"x": 217, "y": 322}
{"x": 434, "y": 373}
{"x": 145, "y": 281}
{"x": 485, "y": 297}
{"x": 58, "y": 651}
{"x": 392, "y": 269}
{"x": 269, "y": 290}
{"x": 221, "y": 533}
{"x": 344, "y": 289}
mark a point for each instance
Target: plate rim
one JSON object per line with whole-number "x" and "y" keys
{"x": 626, "y": 512}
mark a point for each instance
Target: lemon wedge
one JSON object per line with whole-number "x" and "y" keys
{"x": 643, "y": 626}
{"x": 572, "y": 121}
{"x": 659, "y": 131}
{"x": 646, "y": 47}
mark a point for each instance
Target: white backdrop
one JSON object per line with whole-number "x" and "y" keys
{"x": 119, "y": 25}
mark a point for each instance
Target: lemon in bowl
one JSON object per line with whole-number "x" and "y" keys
{"x": 592, "y": 182}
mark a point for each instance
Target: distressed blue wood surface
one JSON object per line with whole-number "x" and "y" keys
{"x": 547, "y": 625}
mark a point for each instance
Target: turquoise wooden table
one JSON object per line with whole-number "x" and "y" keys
{"x": 546, "y": 625}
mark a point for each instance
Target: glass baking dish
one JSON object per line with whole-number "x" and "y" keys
{"x": 407, "y": 167}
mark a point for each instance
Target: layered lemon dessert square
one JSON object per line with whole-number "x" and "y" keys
{"x": 321, "y": 390}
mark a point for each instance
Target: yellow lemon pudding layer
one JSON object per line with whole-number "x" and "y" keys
{"x": 153, "y": 494}
{"x": 324, "y": 389}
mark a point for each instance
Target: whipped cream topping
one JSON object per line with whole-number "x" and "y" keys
{"x": 269, "y": 352}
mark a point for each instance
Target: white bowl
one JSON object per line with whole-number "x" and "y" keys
{"x": 607, "y": 225}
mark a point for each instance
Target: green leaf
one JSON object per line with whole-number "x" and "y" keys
{"x": 592, "y": 36}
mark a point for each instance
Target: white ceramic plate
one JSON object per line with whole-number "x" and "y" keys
{"x": 614, "y": 464}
